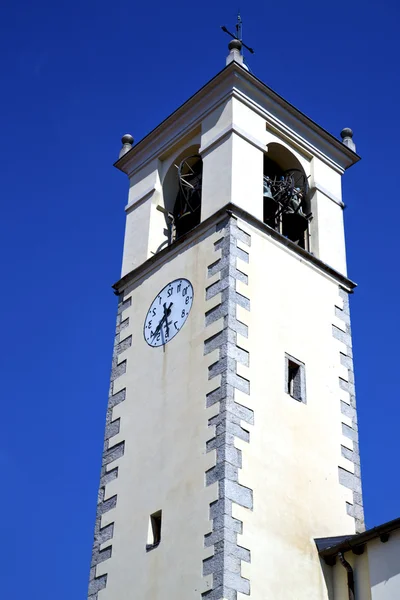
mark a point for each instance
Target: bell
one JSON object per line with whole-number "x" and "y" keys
{"x": 267, "y": 192}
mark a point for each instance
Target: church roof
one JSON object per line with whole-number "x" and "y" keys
{"x": 329, "y": 547}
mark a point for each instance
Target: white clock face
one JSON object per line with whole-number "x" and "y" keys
{"x": 168, "y": 312}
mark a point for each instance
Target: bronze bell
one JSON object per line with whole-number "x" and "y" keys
{"x": 267, "y": 192}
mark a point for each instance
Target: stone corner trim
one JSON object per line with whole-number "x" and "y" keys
{"x": 348, "y": 409}
{"x": 225, "y": 563}
{"x": 110, "y": 454}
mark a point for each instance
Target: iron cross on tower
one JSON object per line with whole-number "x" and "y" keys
{"x": 239, "y": 34}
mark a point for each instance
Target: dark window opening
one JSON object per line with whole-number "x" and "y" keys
{"x": 187, "y": 207}
{"x": 295, "y": 379}
{"x": 294, "y": 388}
{"x": 154, "y": 534}
{"x": 285, "y": 196}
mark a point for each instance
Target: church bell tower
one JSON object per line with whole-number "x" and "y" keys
{"x": 231, "y": 438}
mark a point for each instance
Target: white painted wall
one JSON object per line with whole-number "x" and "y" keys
{"x": 376, "y": 571}
{"x": 291, "y": 462}
{"x": 164, "y": 423}
{"x": 384, "y": 568}
{"x": 144, "y": 189}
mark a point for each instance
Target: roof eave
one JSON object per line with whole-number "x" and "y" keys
{"x": 236, "y": 73}
{"x": 350, "y": 542}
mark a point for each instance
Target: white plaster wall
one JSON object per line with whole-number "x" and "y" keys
{"x": 144, "y": 188}
{"x": 291, "y": 462}
{"x": 384, "y": 568}
{"x": 376, "y": 571}
{"x": 326, "y": 178}
{"x": 216, "y": 152}
{"x": 216, "y": 124}
{"x": 136, "y": 241}
{"x": 327, "y": 232}
{"x": 247, "y": 176}
{"x": 248, "y": 121}
{"x": 232, "y": 160}
{"x": 327, "y": 227}
{"x": 360, "y": 567}
{"x": 247, "y": 158}
{"x": 217, "y": 177}
{"x": 360, "y": 564}
{"x": 164, "y": 425}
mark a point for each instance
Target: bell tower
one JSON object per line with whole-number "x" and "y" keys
{"x": 231, "y": 436}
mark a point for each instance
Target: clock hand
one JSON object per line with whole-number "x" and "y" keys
{"x": 167, "y": 312}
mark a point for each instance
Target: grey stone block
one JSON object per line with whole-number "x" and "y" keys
{"x": 108, "y": 476}
{"x": 112, "y": 429}
{"x": 124, "y": 305}
{"x": 124, "y": 345}
{"x": 349, "y": 432}
{"x": 224, "y": 566}
{"x": 347, "y": 453}
{"x": 346, "y": 478}
{"x": 104, "y": 554}
{"x": 241, "y": 254}
{"x": 347, "y": 410}
{"x": 124, "y": 324}
{"x": 97, "y": 584}
{"x": 349, "y": 480}
{"x": 105, "y": 534}
{"x": 118, "y": 370}
{"x": 116, "y": 398}
{"x": 342, "y": 315}
{"x": 239, "y": 276}
{"x": 107, "y": 505}
{"x": 342, "y": 336}
{"x": 218, "y": 287}
{"x": 113, "y": 453}
{"x": 347, "y": 386}
{"x": 243, "y": 236}
{"x": 237, "y": 493}
{"x": 223, "y": 534}
{"x": 242, "y": 301}
{"x": 346, "y": 361}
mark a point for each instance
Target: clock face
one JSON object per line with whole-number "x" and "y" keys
{"x": 168, "y": 312}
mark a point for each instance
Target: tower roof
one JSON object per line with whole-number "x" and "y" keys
{"x": 236, "y": 81}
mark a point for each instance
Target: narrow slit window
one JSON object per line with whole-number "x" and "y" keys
{"x": 154, "y": 531}
{"x": 295, "y": 379}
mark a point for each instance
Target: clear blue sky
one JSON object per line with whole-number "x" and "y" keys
{"x": 75, "y": 76}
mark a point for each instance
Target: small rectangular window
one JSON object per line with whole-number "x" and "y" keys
{"x": 295, "y": 378}
{"x": 154, "y": 531}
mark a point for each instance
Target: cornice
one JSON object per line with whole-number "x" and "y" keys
{"x": 165, "y": 255}
{"x": 234, "y": 81}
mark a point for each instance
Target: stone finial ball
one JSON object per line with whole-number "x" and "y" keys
{"x": 235, "y": 45}
{"x": 346, "y": 132}
{"x": 127, "y": 139}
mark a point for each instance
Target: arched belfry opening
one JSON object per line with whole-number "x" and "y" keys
{"x": 285, "y": 195}
{"x": 182, "y": 193}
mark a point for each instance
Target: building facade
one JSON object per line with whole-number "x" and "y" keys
{"x": 231, "y": 433}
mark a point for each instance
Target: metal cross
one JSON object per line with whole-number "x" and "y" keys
{"x": 238, "y": 35}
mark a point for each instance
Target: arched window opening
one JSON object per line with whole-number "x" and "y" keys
{"x": 187, "y": 208}
{"x": 182, "y": 194}
{"x": 285, "y": 195}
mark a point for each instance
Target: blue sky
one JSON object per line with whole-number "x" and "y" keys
{"x": 75, "y": 77}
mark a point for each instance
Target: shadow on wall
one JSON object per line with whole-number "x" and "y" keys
{"x": 384, "y": 565}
